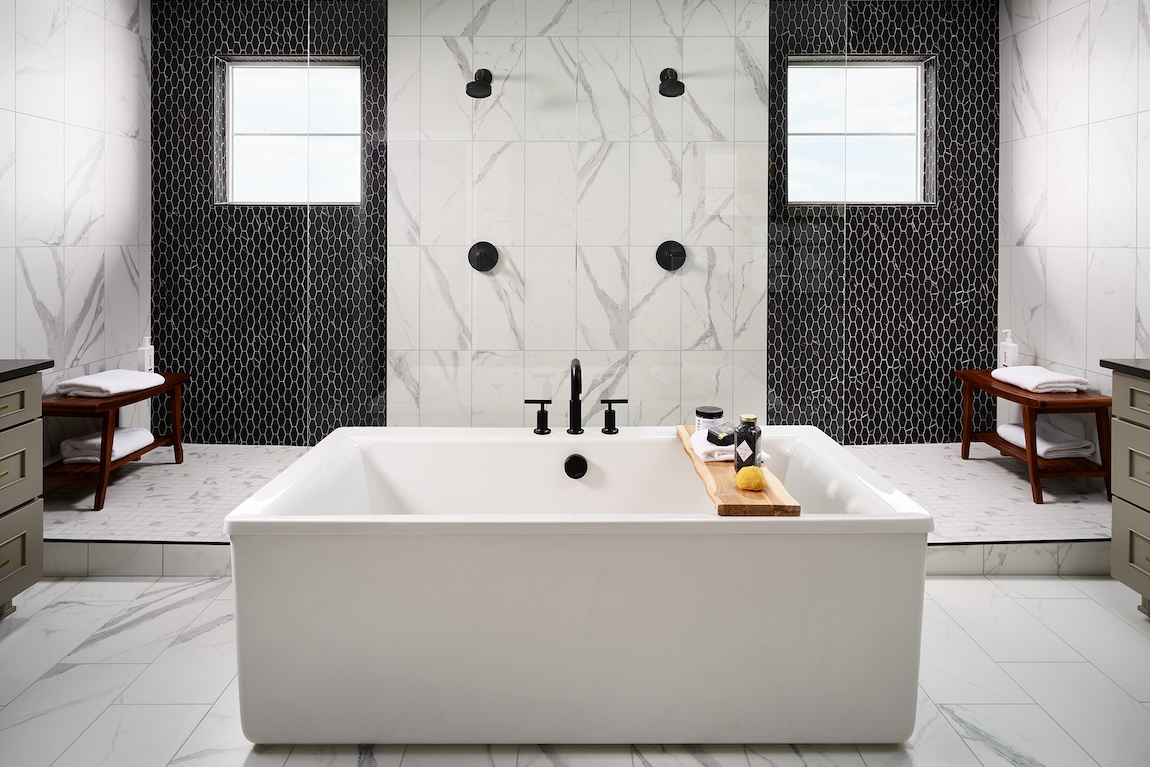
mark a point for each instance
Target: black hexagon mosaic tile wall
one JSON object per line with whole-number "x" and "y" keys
{"x": 872, "y": 308}
{"x": 277, "y": 311}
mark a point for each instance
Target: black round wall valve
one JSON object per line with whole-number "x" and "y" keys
{"x": 671, "y": 255}
{"x": 483, "y": 256}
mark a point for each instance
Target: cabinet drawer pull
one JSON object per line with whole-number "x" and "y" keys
{"x": 4, "y": 406}
{"x": 3, "y": 474}
{"x": 6, "y": 561}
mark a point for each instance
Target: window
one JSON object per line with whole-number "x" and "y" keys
{"x": 855, "y": 132}
{"x": 293, "y": 133}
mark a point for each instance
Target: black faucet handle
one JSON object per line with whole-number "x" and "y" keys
{"x": 540, "y": 415}
{"x": 609, "y": 415}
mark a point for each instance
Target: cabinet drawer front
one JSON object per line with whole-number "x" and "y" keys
{"x": 21, "y": 465}
{"x": 1130, "y": 547}
{"x": 21, "y": 549}
{"x": 19, "y": 400}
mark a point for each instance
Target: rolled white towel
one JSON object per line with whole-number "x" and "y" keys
{"x": 86, "y": 449}
{"x": 109, "y": 383}
{"x": 1052, "y": 442}
{"x": 1038, "y": 379}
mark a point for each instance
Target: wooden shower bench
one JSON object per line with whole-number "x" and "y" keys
{"x": 107, "y": 409}
{"x": 1034, "y": 403}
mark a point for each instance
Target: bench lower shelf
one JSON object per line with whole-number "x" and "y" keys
{"x": 90, "y": 473}
{"x": 1047, "y": 467}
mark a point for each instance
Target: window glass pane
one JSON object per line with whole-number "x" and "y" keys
{"x": 815, "y": 169}
{"x": 333, "y": 169}
{"x": 816, "y": 100}
{"x": 882, "y": 99}
{"x": 269, "y": 99}
{"x": 269, "y": 169}
{"x": 882, "y": 168}
{"x": 334, "y": 100}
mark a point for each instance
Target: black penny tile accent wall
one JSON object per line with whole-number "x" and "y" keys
{"x": 278, "y": 311}
{"x": 872, "y": 308}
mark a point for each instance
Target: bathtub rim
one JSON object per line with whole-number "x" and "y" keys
{"x": 252, "y": 517}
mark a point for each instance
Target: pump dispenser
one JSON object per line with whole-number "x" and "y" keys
{"x": 146, "y": 356}
{"x": 1007, "y": 351}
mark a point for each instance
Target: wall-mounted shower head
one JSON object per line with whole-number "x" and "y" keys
{"x": 669, "y": 84}
{"x": 480, "y": 87}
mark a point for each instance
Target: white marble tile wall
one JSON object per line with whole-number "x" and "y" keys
{"x": 75, "y": 191}
{"x": 576, "y": 169}
{"x": 1075, "y": 166}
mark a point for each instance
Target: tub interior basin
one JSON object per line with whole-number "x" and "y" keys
{"x": 411, "y": 472}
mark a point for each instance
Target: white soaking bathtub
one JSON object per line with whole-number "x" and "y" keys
{"x": 419, "y": 585}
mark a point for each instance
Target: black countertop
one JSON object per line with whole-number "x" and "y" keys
{"x": 1139, "y": 368}
{"x": 10, "y": 369}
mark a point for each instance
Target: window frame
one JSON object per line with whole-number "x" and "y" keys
{"x": 924, "y": 129}
{"x": 229, "y": 65}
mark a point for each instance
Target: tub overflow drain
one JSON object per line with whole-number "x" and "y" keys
{"x": 575, "y": 466}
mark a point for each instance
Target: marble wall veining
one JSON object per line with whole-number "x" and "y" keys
{"x": 74, "y": 192}
{"x": 1075, "y": 223}
{"x": 576, "y": 169}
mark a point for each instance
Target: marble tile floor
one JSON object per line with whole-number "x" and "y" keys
{"x": 156, "y": 500}
{"x": 141, "y": 672}
{"x": 987, "y": 499}
{"x": 983, "y": 500}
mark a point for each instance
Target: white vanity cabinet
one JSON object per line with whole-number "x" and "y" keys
{"x": 21, "y": 479}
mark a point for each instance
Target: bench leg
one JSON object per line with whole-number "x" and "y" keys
{"x": 1102, "y": 420}
{"x": 967, "y": 418}
{"x": 109, "y": 434}
{"x": 178, "y": 423}
{"x": 1032, "y": 453}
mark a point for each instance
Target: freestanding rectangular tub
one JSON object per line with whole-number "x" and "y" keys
{"x": 417, "y": 585}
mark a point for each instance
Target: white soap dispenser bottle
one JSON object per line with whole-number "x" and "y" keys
{"x": 146, "y": 356}
{"x": 1007, "y": 352}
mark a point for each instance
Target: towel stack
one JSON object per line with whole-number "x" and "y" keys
{"x": 1051, "y": 441}
{"x": 109, "y": 383}
{"x": 86, "y": 449}
{"x": 1039, "y": 379}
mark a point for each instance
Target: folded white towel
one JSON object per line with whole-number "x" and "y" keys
{"x": 709, "y": 451}
{"x": 1052, "y": 442}
{"x": 1038, "y": 379}
{"x": 109, "y": 383}
{"x": 86, "y": 449}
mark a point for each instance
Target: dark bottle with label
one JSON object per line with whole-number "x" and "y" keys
{"x": 747, "y": 442}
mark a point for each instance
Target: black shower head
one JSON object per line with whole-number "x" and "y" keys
{"x": 669, "y": 84}
{"x": 480, "y": 87}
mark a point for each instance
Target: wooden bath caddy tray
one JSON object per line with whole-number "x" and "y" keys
{"x": 719, "y": 480}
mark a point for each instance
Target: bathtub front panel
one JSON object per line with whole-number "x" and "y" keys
{"x": 597, "y": 638}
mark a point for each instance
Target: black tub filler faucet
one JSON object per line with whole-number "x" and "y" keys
{"x": 575, "y": 413}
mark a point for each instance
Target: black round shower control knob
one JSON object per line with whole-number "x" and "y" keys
{"x": 575, "y": 466}
{"x": 671, "y": 255}
{"x": 483, "y": 256}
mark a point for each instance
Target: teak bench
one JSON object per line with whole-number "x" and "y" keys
{"x": 107, "y": 409}
{"x": 1034, "y": 403}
